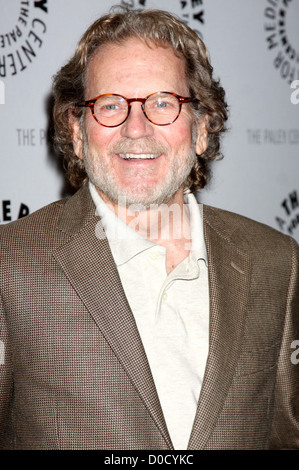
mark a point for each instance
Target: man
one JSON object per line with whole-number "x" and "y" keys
{"x": 132, "y": 317}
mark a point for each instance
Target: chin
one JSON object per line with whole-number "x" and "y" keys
{"x": 142, "y": 194}
{"x": 150, "y": 197}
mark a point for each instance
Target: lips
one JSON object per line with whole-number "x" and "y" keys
{"x": 138, "y": 156}
{"x": 146, "y": 149}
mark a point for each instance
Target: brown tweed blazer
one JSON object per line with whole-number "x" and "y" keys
{"x": 73, "y": 371}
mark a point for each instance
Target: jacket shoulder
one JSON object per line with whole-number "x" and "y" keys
{"x": 246, "y": 232}
{"x": 48, "y": 227}
{"x": 37, "y": 223}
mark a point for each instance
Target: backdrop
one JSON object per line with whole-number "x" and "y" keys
{"x": 254, "y": 48}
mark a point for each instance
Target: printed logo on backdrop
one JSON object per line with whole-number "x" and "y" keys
{"x": 23, "y": 25}
{"x": 190, "y": 11}
{"x": 12, "y": 210}
{"x": 282, "y": 36}
{"x": 288, "y": 218}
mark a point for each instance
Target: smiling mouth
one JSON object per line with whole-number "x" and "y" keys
{"x": 139, "y": 156}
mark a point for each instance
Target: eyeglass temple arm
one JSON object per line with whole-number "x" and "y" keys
{"x": 84, "y": 104}
{"x": 182, "y": 100}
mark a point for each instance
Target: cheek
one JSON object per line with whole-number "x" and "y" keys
{"x": 181, "y": 138}
{"x": 98, "y": 138}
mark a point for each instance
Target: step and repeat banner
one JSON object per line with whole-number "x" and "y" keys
{"x": 254, "y": 48}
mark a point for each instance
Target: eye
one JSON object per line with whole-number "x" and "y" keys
{"x": 162, "y": 104}
{"x": 165, "y": 105}
{"x": 111, "y": 107}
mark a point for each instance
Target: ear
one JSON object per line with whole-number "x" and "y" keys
{"x": 77, "y": 135}
{"x": 202, "y": 136}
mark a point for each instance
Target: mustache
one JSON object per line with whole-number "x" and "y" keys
{"x": 144, "y": 145}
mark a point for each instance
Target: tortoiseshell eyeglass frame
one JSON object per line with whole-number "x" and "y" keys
{"x": 181, "y": 100}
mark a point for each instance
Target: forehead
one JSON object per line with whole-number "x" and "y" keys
{"x": 135, "y": 66}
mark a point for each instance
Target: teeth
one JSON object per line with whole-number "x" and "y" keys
{"x": 140, "y": 156}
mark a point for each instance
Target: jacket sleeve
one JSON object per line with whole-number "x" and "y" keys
{"x": 285, "y": 427}
{"x": 5, "y": 377}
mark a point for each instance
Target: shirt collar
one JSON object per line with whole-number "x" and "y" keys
{"x": 198, "y": 247}
{"x": 125, "y": 242}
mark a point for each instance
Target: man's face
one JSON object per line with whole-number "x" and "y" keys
{"x": 165, "y": 154}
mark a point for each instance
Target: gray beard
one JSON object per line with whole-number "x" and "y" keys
{"x": 100, "y": 175}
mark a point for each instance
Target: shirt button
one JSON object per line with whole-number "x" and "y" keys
{"x": 164, "y": 297}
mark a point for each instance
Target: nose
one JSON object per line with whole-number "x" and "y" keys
{"x": 136, "y": 125}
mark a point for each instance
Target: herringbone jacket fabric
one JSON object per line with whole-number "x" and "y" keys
{"x": 73, "y": 371}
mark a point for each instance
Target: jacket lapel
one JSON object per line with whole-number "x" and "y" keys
{"x": 229, "y": 281}
{"x": 87, "y": 261}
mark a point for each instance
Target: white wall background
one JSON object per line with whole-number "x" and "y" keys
{"x": 254, "y": 48}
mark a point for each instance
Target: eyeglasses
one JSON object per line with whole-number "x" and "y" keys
{"x": 111, "y": 110}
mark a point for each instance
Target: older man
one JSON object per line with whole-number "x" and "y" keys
{"x": 132, "y": 317}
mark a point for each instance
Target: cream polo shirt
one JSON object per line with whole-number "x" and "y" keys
{"x": 171, "y": 312}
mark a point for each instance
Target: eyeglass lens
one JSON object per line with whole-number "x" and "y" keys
{"x": 159, "y": 108}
